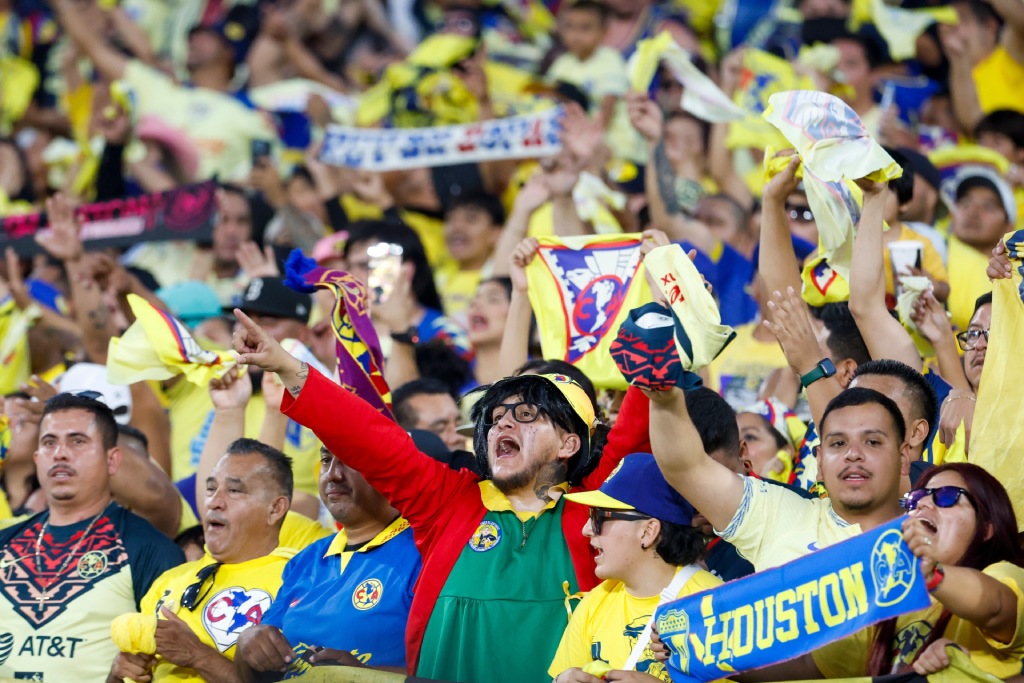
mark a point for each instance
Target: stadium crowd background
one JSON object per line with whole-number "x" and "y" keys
{"x": 109, "y": 99}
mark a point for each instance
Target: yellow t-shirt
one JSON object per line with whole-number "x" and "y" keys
{"x": 238, "y": 597}
{"x": 967, "y": 281}
{"x": 741, "y": 368}
{"x": 298, "y": 531}
{"x": 221, "y": 127}
{"x": 604, "y": 74}
{"x": 931, "y": 260}
{"x": 848, "y": 657}
{"x": 191, "y": 414}
{"x": 457, "y": 288}
{"x": 774, "y": 526}
{"x": 999, "y": 79}
{"x": 607, "y": 622}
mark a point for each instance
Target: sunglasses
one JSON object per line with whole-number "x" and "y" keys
{"x": 800, "y": 213}
{"x": 598, "y": 517}
{"x": 194, "y": 593}
{"x": 943, "y": 497}
{"x": 969, "y": 339}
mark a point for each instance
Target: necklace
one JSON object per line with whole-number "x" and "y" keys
{"x": 44, "y": 594}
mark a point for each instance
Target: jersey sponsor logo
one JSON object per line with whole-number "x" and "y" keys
{"x": 23, "y": 584}
{"x": 6, "y": 646}
{"x": 893, "y": 569}
{"x": 92, "y": 564}
{"x": 367, "y": 594}
{"x": 231, "y": 611}
{"x": 49, "y": 646}
{"x": 486, "y": 537}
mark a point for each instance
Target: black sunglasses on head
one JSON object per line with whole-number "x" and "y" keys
{"x": 191, "y": 597}
{"x": 943, "y": 496}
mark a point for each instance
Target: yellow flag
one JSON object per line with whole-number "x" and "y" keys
{"x": 14, "y": 359}
{"x": 18, "y": 80}
{"x": 158, "y": 347}
{"x": 997, "y": 436}
{"x": 763, "y": 75}
{"x": 581, "y": 289}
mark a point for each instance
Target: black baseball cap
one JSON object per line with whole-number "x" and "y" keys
{"x": 272, "y": 297}
{"x": 921, "y": 166}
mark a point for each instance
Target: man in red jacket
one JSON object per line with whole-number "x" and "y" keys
{"x": 502, "y": 556}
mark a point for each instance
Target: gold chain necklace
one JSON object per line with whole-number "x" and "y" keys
{"x": 45, "y": 592}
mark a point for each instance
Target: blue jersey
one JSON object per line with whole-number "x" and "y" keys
{"x": 352, "y": 600}
{"x": 729, "y": 273}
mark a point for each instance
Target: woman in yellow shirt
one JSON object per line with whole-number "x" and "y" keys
{"x": 961, "y": 515}
{"x": 646, "y": 553}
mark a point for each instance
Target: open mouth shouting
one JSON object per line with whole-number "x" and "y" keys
{"x": 506, "y": 447}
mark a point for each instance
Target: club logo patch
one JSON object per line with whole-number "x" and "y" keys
{"x": 486, "y": 537}
{"x": 92, "y": 564}
{"x": 367, "y": 594}
{"x": 231, "y": 611}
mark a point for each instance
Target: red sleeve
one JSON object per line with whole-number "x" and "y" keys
{"x": 631, "y": 434}
{"x": 375, "y": 446}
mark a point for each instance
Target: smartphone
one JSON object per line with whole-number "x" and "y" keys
{"x": 259, "y": 149}
{"x": 385, "y": 264}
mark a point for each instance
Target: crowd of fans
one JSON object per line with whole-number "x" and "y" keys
{"x": 513, "y": 521}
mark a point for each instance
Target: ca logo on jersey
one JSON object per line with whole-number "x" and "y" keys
{"x": 486, "y": 537}
{"x": 92, "y": 564}
{"x": 367, "y": 594}
{"x": 230, "y": 612}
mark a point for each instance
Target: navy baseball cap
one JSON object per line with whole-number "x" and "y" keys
{"x": 637, "y": 484}
{"x": 270, "y": 296}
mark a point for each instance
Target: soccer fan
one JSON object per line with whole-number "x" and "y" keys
{"x": 204, "y": 606}
{"x": 67, "y": 572}
{"x": 349, "y": 593}
{"x": 505, "y": 549}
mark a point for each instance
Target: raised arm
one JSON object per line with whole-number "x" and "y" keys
{"x": 660, "y": 179}
{"x": 963, "y": 92}
{"x": 515, "y": 341}
{"x": 712, "y": 488}
{"x": 884, "y": 335}
{"x": 230, "y": 395}
{"x": 779, "y": 269}
{"x": 379, "y": 449}
{"x": 1012, "y": 12}
{"x": 109, "y": 62}
{"x": 790, "y": 322}
{"x": 719, "y": 156}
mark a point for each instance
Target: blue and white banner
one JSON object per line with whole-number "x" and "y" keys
{"x": 782, "y": 613}
{"x": 392, "y": 149}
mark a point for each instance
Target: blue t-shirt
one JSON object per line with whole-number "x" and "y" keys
{"x": 352, "y": 600}
{"x": 730, "y": 276}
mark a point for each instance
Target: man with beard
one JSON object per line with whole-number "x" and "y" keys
{"x": 505, "y": 552}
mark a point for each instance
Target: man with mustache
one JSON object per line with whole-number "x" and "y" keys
{"x": 344, "y": 595}
{"x": 67, "y": 572}
{"x": 505, "y": 552}
{"x": 204, "y": 606}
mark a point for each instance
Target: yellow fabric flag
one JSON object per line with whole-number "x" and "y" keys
{"x": 14, "y": 359}
{"x": 581, "y": 289}
{"x": 822, "y": 284}
{"x": 18, "y": 80}
{"x": 997, "y": 436}
{"x": 699, "y": 333}
{"x": 900, "y": 27}
{"x": 644, "y": 62}
{"x": 913, "y": 287}
{"x": 158, "y": 347}
{"x": 763, "y": 75}
{"x": 134, "y": 633}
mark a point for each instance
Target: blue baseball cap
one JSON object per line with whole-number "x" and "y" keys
{"x": 638, "y": 484}
{"x": 191, "y": 302}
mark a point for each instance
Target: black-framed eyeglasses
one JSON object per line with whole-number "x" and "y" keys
{"x": 800, "y": 213}
{"x": 598, "y": 517}
{"x": 969, "y": 339}
{"x": 943, "y": 497}
{"x": 522, "y": 412}
{"x": 194, "y": 594}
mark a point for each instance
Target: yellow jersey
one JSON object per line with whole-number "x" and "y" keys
{"x": 999, "y": 80}
{"x": 967, "y": 281}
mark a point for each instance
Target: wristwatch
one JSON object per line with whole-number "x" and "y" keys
{"x": 823, "y": 369}
{"x": 411, "y": 337}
